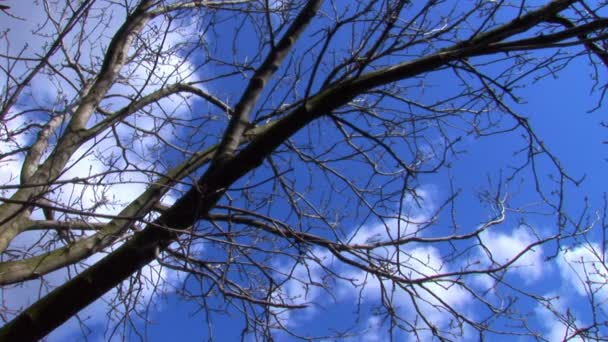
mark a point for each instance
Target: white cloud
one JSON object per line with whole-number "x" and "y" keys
{"x": 582, "y": 269}
{"x": 10, "y": 167}
{"x": 88, "y": 160}
{"x": 415, "y": 262}
{"x": 417, "y": 212}
{"x": 556, "y": 329}
{"x": 97, "y": 316}
{"x": 30, "y": 34}
{"x": 502, "y": 248}
{"x": 28, "y": 16}
{"x": 106, "y": 191}
{"x": 154, "y": 281}
{"x": 583, "y": 274}
{"x": 298, "y": 289}
{"x": 374, "y": 332}
{"x": 304, "y": 285}
{"x": 435, "y": 299}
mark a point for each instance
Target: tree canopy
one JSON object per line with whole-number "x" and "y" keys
{"x": 379, "y": 161}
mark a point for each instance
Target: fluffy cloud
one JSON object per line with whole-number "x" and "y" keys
{"x": 582, "y": 269}
{"x": 89, "y": 161}
{"x": 434, "y": 299}
{"x": 374, "y": 333}
{"x": 10, "y": 167}
{"x": 502, "y": 248}
{"x": 139, "y": 296}
{"x": 556, "y": 329}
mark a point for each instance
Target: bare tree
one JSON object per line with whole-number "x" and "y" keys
{"x": 273, "y": 152}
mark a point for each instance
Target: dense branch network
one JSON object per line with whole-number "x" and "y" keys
{"x": 255, "y": 147}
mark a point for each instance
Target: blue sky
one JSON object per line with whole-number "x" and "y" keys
{"x": 558, "y": 111}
